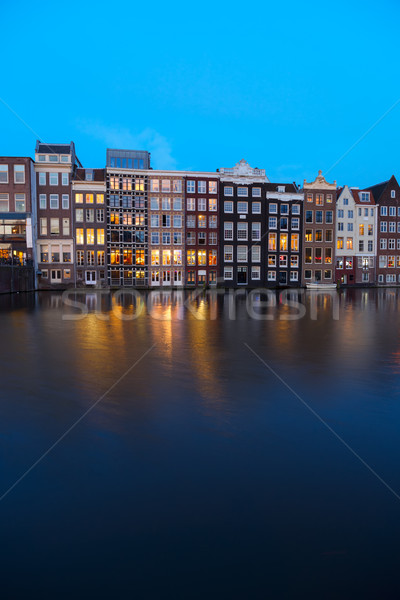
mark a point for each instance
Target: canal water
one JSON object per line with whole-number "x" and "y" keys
{"x": 200, "y": 446}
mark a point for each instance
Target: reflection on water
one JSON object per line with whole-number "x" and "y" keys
{"x": 199, "y": 475}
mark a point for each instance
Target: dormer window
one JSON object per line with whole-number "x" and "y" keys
{"x": 281, "y": 189}
{"x": 42, "y": 157}
{"x": 364, "y": 196}
{"x": 65, "y": 159}
{"x": 53, "y": 157}
{"x": 88, "y": 175}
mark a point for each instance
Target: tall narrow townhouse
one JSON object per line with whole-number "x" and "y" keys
{"x": 319, "y": 224}
{"x": 387, "y": 196}
{"x": 366, "y": 219}
{"x": 127, "y": 217}
{"x": 166, "y": 229}
{"x": 284, "y": 224}
{"x": 89, "y": 223}
{"x": 201, "y": 243}
{"x": 345, "y": 231}
{"x": 242, "y": 226}
{"x": 55, "y": 166}
{"x": 17, "y": 210}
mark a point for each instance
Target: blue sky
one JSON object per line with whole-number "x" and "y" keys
{"x": 288, "y": 86}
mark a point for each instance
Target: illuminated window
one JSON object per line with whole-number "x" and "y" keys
{"x": 79, "y": 237}
{"x": 43, "y": 227}
{"x": 127, "y": 256}
{"x": 90, "y": 236}
{"x": 294, "y": 245}
{"x": 340, "y": 243}
{"x": 177, "y": 257}
{"x": 44, "y": 253}
{"x": 329, "y": 198}
{"x": 212, "y": 257}
{"x": 101, "y": 258}
{"x": 391, "y": 261}
{"x": 201, "y": 257}
{"x": 318, "y": 235}
{"x": 100, "y": 236}
{"x": 308, "y": 255}
{"x": 272, "y": 241}
{"x": 191, "y": 257}
{"x": 212, "y": 204}
{"x": 283, "y": 242}
{"x": 115, "y": 256}
{"x": 319, "y": 199}
{"x": 139, "y": 185}
{"x": 361, "y": 229}
{"x": 202, "y": 221}
{"x": 283, "y": 260}
{"x": 78, "y": 198}
{"x": 100, "y": 198}
{"x": 309, "y": 197}
{"x": 294, "y": 261}
{"x": 55, "y": 226}
{"x": 140, "y": 257}
{"x": 126, "y": 183}
{"x": 212, "y": 187}
{"x": 90, "y": 258}
{"x": 114, "y": 182}
{"x": 349, "y": 243}
{"x": 155, "y": 257}
{"x": 139, "y": 220}
{"x": 309, "y": 235}
{"x": 328, "y": 255}
{"x": 272, "y": 260}
{"x": 318, "y": 255}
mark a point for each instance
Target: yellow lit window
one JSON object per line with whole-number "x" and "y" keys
{"x": 100, "y": 198}
{"x": 283, "y": 244}
{"x": 89, "y": 198}
{"x": 191, "y": 257}
{"x": 295, "y": 242}
{"x": 212, "y": 204}
{"x": 308, "y": 235}
{"x": 319, "y": 199}
{"x": 201, "y": 257}
{"x": 139, "y": 185}
{"x": 177, "y": 257}
{"x": 329, "y": 198}
{"x": 155, "y": 257}
{"x": 114, "y": 183}
{"x": 166, "y": 257}
{"x": 78, "y": 198}
{"x": 361, "y": 229}
{"x": 349, "y": 244}
{"x": 340, "y": 243}
{"x": 309, "y": 198}
{"x": 127, "y": 257}
{"x": 139, "y": 220}
{"x": 90, "y": 236}
{"x": 114, "y": 218}
{"x": 100, "y": 258}
{"x": 79, "y": 236}
{"x": 126, "y": 183}
{"x": 115, "y": 257}
{"x": 140, "y": 257}
{"x": 100, "y": 236}
{"x": 212, "y": 257}
{"x": 202, "y": 221}
{"x": 272, "y": 241}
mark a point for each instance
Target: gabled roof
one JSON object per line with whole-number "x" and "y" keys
{"x": 379, "y": 188}
{"x": 357, "y": 197}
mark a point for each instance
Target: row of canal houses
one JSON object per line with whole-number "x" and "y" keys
{"x": 128, "y": 225}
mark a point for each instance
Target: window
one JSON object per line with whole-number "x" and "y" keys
{"x": 54, "y": 201}
{"x": 154, "y": 185}
{"x": 256, "y": 192}
{"x": 212, "y": 257}
{"x": 212, "y": 187}
{"x": 242, "y": 207}
{"x": 4, "y": 174}
{"x": 361, "y": 246}
{"x": 155, "y": 237}
{"x": 364, "y": 196}
{"x": 318, "y": 235}
{"x": 272, "y": 241}
{"x": 318, "y": 255}
{"x": 242, "y": 231}
{"x": 166, "y": 257}
{"x": 308, "y": 255}
{"x": 90, "y": 236}
{"x": 228, "y": 206}
{"x": 53, "y": 178}
{"x": 178, "y": 238}
{"x": 392, "y": 244}
{"x": 294, "y": 261}
{"x": 191, "y": 187}
{"x": 201, "y": 257}
{"x": 383, "y": 244}
{"x": 273, "y": 208}
{"x": 165, "y": 185}
{"x": 78, "y": 198}
{"x": 44, "y": 253}
{"x": 228, "y": 253}
{"x": 191, "y": 204}
{"x": 309, "y": 235}
{"x": 201, "y": 204}
{"x": 370, "y": 229}
{"x": 100, "y": 198}
{"x": 329, "y": 216}
{"x": 228, "y": 231}
{"x": 65, "y": 226}
{"x": 202, "y": 187}
{"x": 382, "y": 262}
{"x": 392, "y": 211}
{"x": 383, "y": 211}
{"x": 64, "y": 179}
{"x": 370, "y": 246}
{"x": 328, "y": 255}
{"x": 295, "y": 223}
{"x": 79, "y": 237}
{"x": 256, "y": 208}
{"x": 340, "y": 241}
{"x": 256, "y": 232}
{"x": 271, "y": 275}
{"x": 272, "y": 222}
{"x": 383, "y": 226}
{"x": 191, "y": 221}
{"x": 19, "y": 173}
{"x": 90, "y": 258}
{"x": 272, "y": 260}
{"x": 177, "y": 203}
{"x": 212, "y": 222}
{"x": 349, "y": 243}
{"x": 318, "y": 216}
{"x": 242, "y": 191}
{"x": 393, "y": 194}
{"x": 256, "y": 253}
{"x": 100, "y": 236}
{"x": 191, "y": 257}
{"x": 100, "y": 215}
{"x": 309, "y": 197}
{"x": 283, "y": 242}
{"x": 319, "y": 199}
{"x": 43, "y": 226}
{"x": 340, "y": 213}
{"x": 228, "y": 191}
{"x": 166, "y": 220}
{"x": 349, "y": 226}
{"x": 79, "y": 215}
{"x": 65, "y": 201}
{"x": 294, "y": 276}
{"x": 19, "y": 202}
{"x": 154, "y": 203}
{"x": 361, "y": 229}
{"x": 392, "y": 227}
{"x": 255, "y": 272}
{"x": 55, "y": 226}
{"x": 309, "y": 216}
{"x": 294, "y": 244}
{"x": 242, "y": 253}
{"x": 345, "y": 201}
{"x": 340, "y": 226}
{"x": 202, "y": 221}
{"x": 283, "y": 260}
{"x": 283, "y": 223}
{"x": 228, "y": 273}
